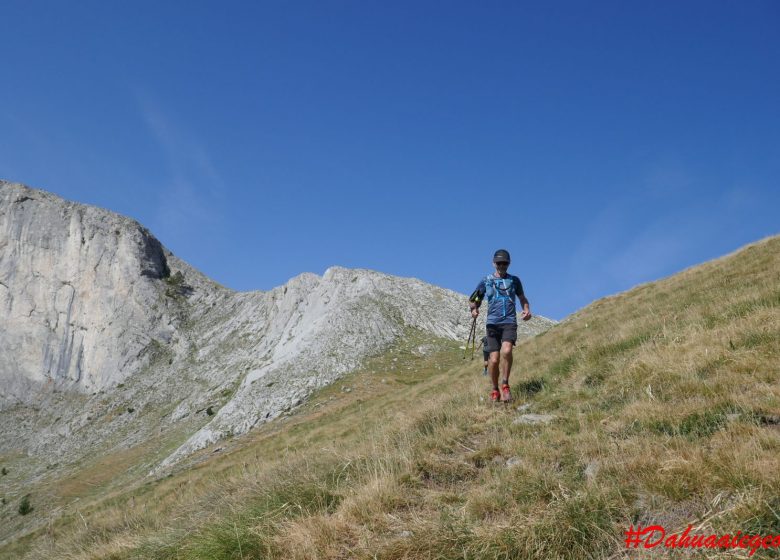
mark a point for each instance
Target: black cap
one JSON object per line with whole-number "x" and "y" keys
{"x": 502, "y": 255}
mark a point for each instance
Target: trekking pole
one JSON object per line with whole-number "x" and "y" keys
{"x": 466, "y": 348}
{"x": 472, "y": 339}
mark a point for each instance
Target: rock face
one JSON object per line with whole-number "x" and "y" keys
{"x": 308, "y": 333}
{"x": 78, "y": 288}
{"x": 107, "y": 338}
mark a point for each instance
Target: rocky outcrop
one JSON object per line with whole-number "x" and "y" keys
{"x": 306, "y": 334}
{"x": 79, "y": 295}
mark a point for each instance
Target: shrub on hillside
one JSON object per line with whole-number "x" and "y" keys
{"x": 24, "y": 506}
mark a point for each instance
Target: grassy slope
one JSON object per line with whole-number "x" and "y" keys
{"x": 667, "y": 405}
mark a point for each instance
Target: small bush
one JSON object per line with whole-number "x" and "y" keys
{"x": 24, "y": 506}
{"x": 532, "y": 386}
{"x": 595, "y": 378}
{"x": 483, "y": 457}
{"x": 177, "y": 288}
{"x": 443, "y": 471}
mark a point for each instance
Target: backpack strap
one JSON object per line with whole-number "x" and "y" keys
{"x": 490, "y": 289}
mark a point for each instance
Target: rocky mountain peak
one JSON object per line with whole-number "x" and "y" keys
{"x": 77, "y": 291}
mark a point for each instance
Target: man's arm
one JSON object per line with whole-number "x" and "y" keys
{"x": 475, "y": 299}
{"x": 526, "y": 314}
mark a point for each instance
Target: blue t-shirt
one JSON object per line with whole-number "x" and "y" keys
{"x": 500, "y": 294}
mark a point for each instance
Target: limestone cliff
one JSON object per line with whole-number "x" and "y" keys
{"x": 79, "y": 295}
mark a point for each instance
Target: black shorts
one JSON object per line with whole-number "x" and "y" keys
{"x": 496, "y": 334}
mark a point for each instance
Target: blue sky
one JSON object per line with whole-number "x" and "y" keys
{"x": 604, "y": 144}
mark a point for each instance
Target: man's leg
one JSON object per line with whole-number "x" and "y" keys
{"x": 493, "y": 347}
{"x": 506, "y": 361}
{"x": 506, "y": 368}
{"x": 493, "y": 368}
{"x": 508, "y": 339}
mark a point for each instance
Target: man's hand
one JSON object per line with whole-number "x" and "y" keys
{"x": 475, "y": 312}
{"x": 526, "y": 314}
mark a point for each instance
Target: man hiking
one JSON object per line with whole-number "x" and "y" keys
{"x": 500, "y": 289}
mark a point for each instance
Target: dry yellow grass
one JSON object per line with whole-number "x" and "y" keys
{"x": 667, "y": 406}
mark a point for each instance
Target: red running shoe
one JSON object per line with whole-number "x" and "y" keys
{"x": 495, "y": 396}
{"x": 506, "y": 394}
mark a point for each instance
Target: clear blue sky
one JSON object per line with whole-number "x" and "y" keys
{"x": 604, "y": 144}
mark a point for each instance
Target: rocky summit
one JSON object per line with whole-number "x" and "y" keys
{"x": 107, "y": 339}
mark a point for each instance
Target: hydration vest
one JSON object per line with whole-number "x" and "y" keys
{"x": 501, "y": 289}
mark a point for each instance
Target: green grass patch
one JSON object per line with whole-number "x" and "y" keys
{"x": 594, "y": 378}
{"x": 743, "y": 309}
{"x": 703, "y": 423}
{"x": 711, "y": 367}
{"x": 758, "y": 339}
{"x": 563, "y": 367}
{"x": 444, "y": 471}
{"x": 483, "y": 457}
{"x": 608, "y": 351}
{"x": 531, "y": 387}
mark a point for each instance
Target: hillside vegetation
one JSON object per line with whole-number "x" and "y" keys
{"x": 662, "y": 404}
